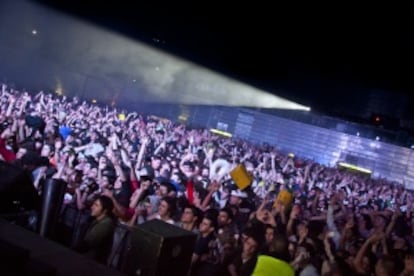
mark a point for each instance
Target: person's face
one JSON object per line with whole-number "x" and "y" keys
{"x": 223, "y": 218}
{"x": 105, "y": 181}
{"x": 38, "y": 145}
{"x": 93, "y": 136}
{"x": 129, "y": 148}
{"x": 187, "y": 169}
{"x": 361, "y": 222}
{"x": 64, "y": 155}
{"x": 73, "y": 176}
{"x": 82, "y": 160}
{"x": 46, "y": 151}
{"x": 379, "y": 269}
{"x": 163, "y": 190}
{"x": 96, "y": 209}
{"x": 165, "y": 166}
{"x": 234, "y": 200}
{"x": 145, "y": 184}
{"x": 292, "y": 249}
{"x": 205, "y": 226}
{"x": 102, "y": 159}
{"x": 187, "y": 216}
{"x": 20, "y": 153}
{"x": 148, "y": 208}
{"x": 196, "y": 170}
{"x": 86, "y": 168}
{"x": 163, "y": 208}
{"x": 302, "y": 229}
{"x": 312, "y": 193}
{"x": 205, "y": 173}
{"x": 227, "y": 249}
{"x": 300, "y": 250}
{"x": 118, "y": 183}
{"x": 175, "y": 178}
{"x": 250, "y": 246}
{"x": 269, "y": 235}
{"x": 156, "y": 163}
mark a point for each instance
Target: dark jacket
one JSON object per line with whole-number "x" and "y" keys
{"x": 98, "y": 239}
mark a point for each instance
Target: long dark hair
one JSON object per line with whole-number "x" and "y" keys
{"x": 107, "y": 204}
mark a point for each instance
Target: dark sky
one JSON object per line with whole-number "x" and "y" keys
{"x": 327, "y": 57}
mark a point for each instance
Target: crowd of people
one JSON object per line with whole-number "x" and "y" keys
{"x": 130, "y": 168}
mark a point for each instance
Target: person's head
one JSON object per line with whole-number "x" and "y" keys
{"x": 302, "y": 228}
{"x": 105, "y": 181}
{"x": 165, "y": 166}
{"x": 47, "y": 150}
{"x": 380, "y": 221}
{"x": 145, "y": 177}
{"x": 292, "y": 249}
{"x": 225, "y": 217}
{"x": 279, "y": 248}
{"x": 304, "y": 252}
{"x": 94, "y": 136}
{"x": 167, "y": 207}
{"x": 92, "y": 172}
{"x": 340, "y": 268}
{"x": 24, "y": 148}
{"x": 38, "y": 144}
{"x": 250, "y": 246}
{"x": 269, "y": 234}
{"x": 364, "y": 221}
{"x": 205, "y": 173}
{"x": 102, "y": 207}
{"x": 237, "y": 197}
{"x": 156, "y": 162}
{"x": 167, "y": 189}
{"x": 151, "y": 205}
{"x": 207, "y": 225}
{"x": 103, "y": 159}
{"x": 388, "y": 266}
{"x": 188, "y": 167}
{"x": 21, "y": 152}
{"x": 253, "y": 238}
{"x": 191, "y": 214}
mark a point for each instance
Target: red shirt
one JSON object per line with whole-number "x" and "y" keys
{"x": 7, "y": 155}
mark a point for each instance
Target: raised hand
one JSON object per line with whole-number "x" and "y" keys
{"x": 295, "y": 212}
{"x": 376, "y": 237}
{"x": 108, "y": 193}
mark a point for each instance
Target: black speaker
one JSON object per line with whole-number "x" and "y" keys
{"x": 52, "y": 199}
{"x": 159, "y": 248}
{"x": 16, "y": 189}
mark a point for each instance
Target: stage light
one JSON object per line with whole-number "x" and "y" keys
{"x": 353, "y": 167}
{"x": 221, "y": 132}
{"x": 179, "y": 82}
